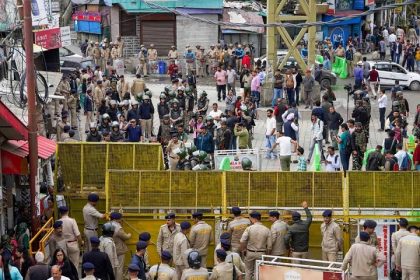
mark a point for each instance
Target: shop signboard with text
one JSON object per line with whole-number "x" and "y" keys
{"x": 268, "y": 272}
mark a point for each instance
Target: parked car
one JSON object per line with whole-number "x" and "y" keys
{"x": 389, "y": 72}
{"x": 70, "y": 61}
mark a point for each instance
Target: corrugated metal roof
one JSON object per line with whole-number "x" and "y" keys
{"x": 141, "y": 7}
{"x": 240, "y": 16}
{"x": 46, "y": 147}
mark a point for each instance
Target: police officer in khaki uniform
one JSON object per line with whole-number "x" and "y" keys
{"x": 57, "y": 239}
{"x": 138, "y": 86}
{"x": 152, "y": 56}
{"x": 396, "y": 236}
{"x": 62, "y": 89}
{"x": 60, "y": 126}
{"x": 72, "y": 235}
{"x": 362, "y": 259}
{"x": 107, "y": 246}
{"x": 120, "y": 237}
{"x": 236, "y": 228}
{"x": 167, "y": 232}
{"x": 97, "y": 55}
{"x": 120, "y": 46}
{"x": 224, "y": 270}
{"x": 369, "y": 227}
{"x": 255, "y": 242}
{"x": 71, "y": 104}
{"x": 181, "y": 244}
{"x": 142, "y": 67}
{"x": 91, "y": 216}
{"x": 98, "y": 94}
{"x": 201, "y": 236}
{"x": 278, "y": 231}
{"x": 332, "y": 238}
{"x": 163, "y": 271}
{"x": 407, "y": 256}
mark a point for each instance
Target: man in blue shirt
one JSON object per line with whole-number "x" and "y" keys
{"x": 133, "y": 131}
{"x": 358, "y": 75}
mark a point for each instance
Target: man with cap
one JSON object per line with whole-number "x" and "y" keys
{"x": 57, "y": 239}
{"x": 120, "y": 237}
{"x": 332, "y": 238}
{"x": 72, "y": 235}
{"x": 90, "y": 217}
{"x": 152, "y": 56}
{"x": 278, "y": 231}
{"x": 97, "y": 58}
{"x": 236, "y": 228}
{"x": 297, "y": 236}
{"x": 362, "y": 259}
{"x": 407, "y": 256}
{"x": 167, "y": 232}
{"x": 89, "y": 269}
{"x": 60, "y": 126}
{"x": 396, "y": 236}
{"x": 138, "y": 86}
{"x": 255, "y": 242}
{"x": 232, "y": 257}
{"x": 138, "y": 259}
{"x": 223, "y": 237}
{"x": 224, "y": 270}
{"x": 142, "y": 57}
{"x": 145, "y": 236}
{"x": 181, "y": 244}
{"x": 163, "y": 271}
{"x": 133, "y": 271}
{"x": 39, "y": 271}
{"x": 100, "y": 260}
{"x": 201, "y": 236}
{"x": 369, "y": 227}
{"x": 107, "y": 245}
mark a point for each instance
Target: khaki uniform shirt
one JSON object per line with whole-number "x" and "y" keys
{"x": 332, "y": 237}
{"x": 257, "y": 237}
{"x": 106, "y": 53}
{"x": 122, "y": 88}
{"x": 138, "y": 86}
{"x": 373, "y": 241}
{"x": 98, "y": 95}
{"x": 70, "y": 228}
{"x": 224, "y": 271}
{"x": 96, "y": 52}
{"x": 236, "y": 259}
{"x": 60, "y": 128}
{"x": 165, "y": 272}
{"x": 152, "y": 54}
{"x": 278, "y": 231}
{"x": 120, "y": 237}
{"x": 236, "y": 228}
{"x": 120, "y": 48}
{"x": 200, "y": 237}
{"x": 195, "y": 274}
{"x": 64, "y": 88}
{"x": 165, "y": 240}
{"x": 89, "y": 51}
{"x": 408, "y": 252}
{"x": 173, "y": 54}
{"x": 91, "y": 216}
{"x": 211, "y": 54}
{"x": 362, "y": 258}
{"x": 114, "y": 53}
{"x": 181, "y": 244}
{"x": 107, "y": 246}
{"x": 56, "y": 242}
{"x": 396, "y": 236}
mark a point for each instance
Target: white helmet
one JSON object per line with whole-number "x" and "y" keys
{"x": 112, "y": 102}
{"x": 134, "y": 102}
{"x": 106, "y": 116}
{"x": 115, "y": 123}
{"x": 92, "y": 125}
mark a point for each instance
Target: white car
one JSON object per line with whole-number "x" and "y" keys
{"x": 280, "y": 55}
{"x": 389, "y": 72}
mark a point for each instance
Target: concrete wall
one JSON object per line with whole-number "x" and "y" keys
{"x": 189, "y": 32}
{"x": 115, "y": 19}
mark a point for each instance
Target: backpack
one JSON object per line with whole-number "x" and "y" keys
{"x": 406, "y": 163}
{"x": 348, "y": 148}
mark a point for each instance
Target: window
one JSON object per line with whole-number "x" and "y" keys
{"x": 127, "y": 24}
{"x": 398, "y": 69}
{"x": 383, "y": 67}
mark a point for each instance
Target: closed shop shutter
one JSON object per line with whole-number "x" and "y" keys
{"x": 161, "y": 33}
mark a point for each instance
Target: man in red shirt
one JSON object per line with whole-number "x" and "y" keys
{"x": 173, "y": 69}
{"x": 373, "y": 80}
{"x": 246, "y": 61}
{"x": 416, "y": 156}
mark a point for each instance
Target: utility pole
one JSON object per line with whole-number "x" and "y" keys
{"x": 32, "y": 119}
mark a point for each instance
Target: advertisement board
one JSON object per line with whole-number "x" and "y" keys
{"x": 235, "y": 158}
{"x": 53, "y": 38}
{"x": 268, "y": 272}
{"x": 384, "y": 237}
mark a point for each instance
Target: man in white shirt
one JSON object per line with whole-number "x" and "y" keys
{"x": 382, "y": 104}
{"x": 216, "y": 114}
{"x": 392, "y": 38}
{"x": 231, "y": 77}
{"x": 56, "y": 273}
{"x": 270, "y": 135}
{"x": 285, "y": 150}
{"x": 400, "y": 155}
{"x": 316, "y": 137}
{"x": 332, "y": 162}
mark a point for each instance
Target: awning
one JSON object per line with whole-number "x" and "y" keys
{"x": 10, "y": 126}
{"x": 240, "y": 16}
{"x": 46, "y": 147}
{"x": 340, "y": 14}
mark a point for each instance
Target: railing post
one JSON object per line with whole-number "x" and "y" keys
{"x": 224, "y": 196}
{"x": 82, "y": 165}
{"x": 107, "y": 191}
{"x": 346, "y": 212}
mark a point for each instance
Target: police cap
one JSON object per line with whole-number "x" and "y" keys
{"x": 94, "y": 240}
{"x": 63, "y": 209}
{"x": 274, "y": 214}
{"x": 166, "y": 255}
{"x": 236, "y": 210}
{"x": 185, "y": 225}
{"x": 115, "y": 216}
{"x": 133, "y": 267}
{"x": 225, "y": 242}
{"x": 57, "y": 224}
{"x": 369, "y": 224}
{"x": 221, "y": 254}
{"x": 93, "y": 197}
{"x": 170, "y": 216}
{"x": 327, "y": 213}
{"x": 225, "y": 235}
{"x": 141, "y": 245}
{"x": 364, "y": 236}
{"x": 197, "y": 215}
{"x": 144, "y": 236}
{"x": 255, "y": 215}
{"x": 88, "y": 266}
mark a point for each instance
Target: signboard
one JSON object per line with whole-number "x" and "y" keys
{"x": 86, "y": 16}
{"x": 384, "y": 236}
{"x": 236, "y": 157}
{"x": 119, "y": 66}
{"x": 399, "y": 9}
{"x": 53, "y": 38}
{"x": 55, "y": 6}
{"x": 267, "y": 272}
{"x": 42, "y": 15}
{"x": 369, "y": 2}
{"x": 331, "y": 7}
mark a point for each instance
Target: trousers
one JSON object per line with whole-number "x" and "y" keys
{"x": 329, "y": 256}
{"x": 89, "y": 119}
{"x": 250, "y": 259}
{"x": 88, "y": 234}
{"x": 299, "y": 255}
{"x": 285, "y": 163}
{"x": 179, "y": 269}
{"x": 120, "y": 269}
{"x": 73, "y": 252}
{"x": 410, "y": 274}
{"x": 146, "y": 127}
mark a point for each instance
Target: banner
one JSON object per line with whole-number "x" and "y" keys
{"x": 339, "y": 67}
{"x": 236, "y": 159}
{"x": 53, "y": 38}
{"x": 267, "y": 272}
{"x": 86, "y": 16}
{"x": 65, "y": 36}
{"x": 384, "y": 237}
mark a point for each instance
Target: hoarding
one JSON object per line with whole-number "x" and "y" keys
{"x": 268, "y": 272}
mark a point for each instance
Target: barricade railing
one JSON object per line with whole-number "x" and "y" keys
{"x": 37, "y": 242}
